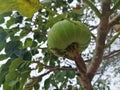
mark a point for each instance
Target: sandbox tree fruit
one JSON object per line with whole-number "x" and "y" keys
{"x": 65, "y": 34}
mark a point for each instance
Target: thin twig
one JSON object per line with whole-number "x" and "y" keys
{"x": 113, "y": 53}
{"x": 53, "y": 68}
{"x": 114, "y": 21}
{"x": 112, "y": 40}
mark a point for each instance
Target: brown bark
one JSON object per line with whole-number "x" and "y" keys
{"x": 103, "y": 30}
{"x": 82, "y": 74}
{"x": 114, "y": 20}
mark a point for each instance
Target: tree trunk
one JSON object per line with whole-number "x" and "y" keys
{"x": 85, "y": 82}
{"x": 103, "y": 30}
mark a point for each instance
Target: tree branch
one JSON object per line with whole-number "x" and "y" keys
{"x": 113, "y": 53}
{"x": 81, "y": 67}
{"x": 53, "y": 68}
{"x": 115, "y": 20}
{"x": 112, "y": 40}
{"x": 35, "y": 80}
{"x": 103, "y": 30}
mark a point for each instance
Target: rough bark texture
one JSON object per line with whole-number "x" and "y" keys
{"x": 103, "y": 30}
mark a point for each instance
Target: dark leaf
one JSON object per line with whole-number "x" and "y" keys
{"x": 60, "y": 76}
{"x": 70, "y": 1}
{"x": 24, "y": 33}
{"x": 27, "y": 55}
{"x": 47, "y": 83}
{"x": 36, "y": 86}
{"x": 3, "y": 56}
{"x": 10, "y": 22}
{"x": 2, "y": 45}
{"x": 28, "y": 42}
{"x": 1, "y": 19}
{"x": 70, "y": 74}
{"x": 4, "y": 70}
{"x": 15, "y": 64}
{"x": 11, "y": 47}
{"x": 3, "y": 36}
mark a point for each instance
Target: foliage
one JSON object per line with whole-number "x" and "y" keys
{"x": 23, "y": 43}
{"x": 31, "y": 6}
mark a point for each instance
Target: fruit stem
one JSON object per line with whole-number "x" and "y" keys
{"x": 79, "y": 61}
{"x": 74, "y": 49}
{"x": 82, "y": 70}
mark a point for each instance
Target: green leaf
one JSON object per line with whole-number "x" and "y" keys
{"x": 2, "y": 57}
{"x": 52, "y": 62}
{"x": 28, "y": 8}
{"x": 28, "y": 42}
{"x": 2, "y": 45}
{"x": 14, "y": 65}
{"x": 10, "y": 22}
{"x": 24, "y": 66}
{"x": 15, "y": 38}
{"x": 23, "y": 80}
{"x": 22, "y": 6}
{"x": 4, "y": 70}
{"x": 70, "y": 74}
{"x": 70, "y": 1}
{"x": 39, "y": 37}
{"x": 24, "y": 33}
{"x": 47, "y": 83}
{"x": 2, "y": 36}
{"x": 116, "y": 6}
{"x": 34, "y": 44}
{"x": 6, "y": 14}
{"x": 12, "y": 47}
{"x": 27, "y": 55}
{"x": 1, "y": 19}
{"x": 1, "y": 29}
{"x": 11, "y": 81}
{"x": 36, "y": 86}
{"x": 7, "y": 5}
{"x": 60, "y": 76}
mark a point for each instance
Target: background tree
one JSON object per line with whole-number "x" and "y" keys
{"x": 28, "y": 63}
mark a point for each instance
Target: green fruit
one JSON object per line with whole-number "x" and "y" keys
{"x": 65, "y": 33}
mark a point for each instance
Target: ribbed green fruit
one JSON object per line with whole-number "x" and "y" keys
{"x": 65, "y": 33}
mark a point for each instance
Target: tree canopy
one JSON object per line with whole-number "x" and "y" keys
{"x": 28, "y": 63}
